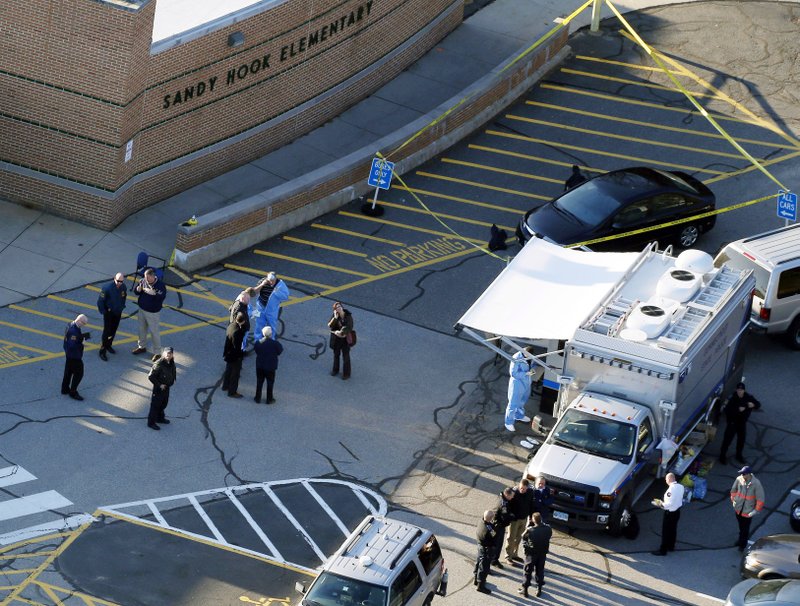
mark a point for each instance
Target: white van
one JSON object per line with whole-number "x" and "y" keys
{"x": 774, "y": 257}
{"x": 383, "y": 562}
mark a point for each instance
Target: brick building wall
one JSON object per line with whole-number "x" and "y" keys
{"x": 79, "y": 83}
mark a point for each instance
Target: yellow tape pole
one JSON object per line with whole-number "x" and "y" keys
{"x": 689, "y": 96}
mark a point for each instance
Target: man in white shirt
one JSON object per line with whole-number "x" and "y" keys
{"x": 671, "y": 504}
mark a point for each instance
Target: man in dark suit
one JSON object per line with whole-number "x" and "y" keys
{"x": 233, "y": 354}
{"x": 536, "y": 542}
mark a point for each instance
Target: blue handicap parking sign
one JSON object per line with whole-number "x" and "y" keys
{"x": 787, "y": 205}
{"x": 380, "y": 175}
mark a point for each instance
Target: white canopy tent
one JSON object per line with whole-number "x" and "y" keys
{"x": 544, "y": 293}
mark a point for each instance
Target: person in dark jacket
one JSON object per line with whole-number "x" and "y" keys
{"x": 737, "y": 411}
{"x": 503, "y": 516}
{"x": 340, "y": 325}
{"x": 242, "y": 306}
{"x": 151, "y": 292}
{"x": 73, "y": 352}
{"x": 521, "y": 507}
{"x": 575, "y": 179}
{"x": 233, "y": 355}
{"x": 111, "y": 304}
{"x": 162, "y": 375}
{"x": 542, "y": 498}
{"x": 486, "y": 539}
{"x": 536, "y": 542}
{"x": 267, "y": 352}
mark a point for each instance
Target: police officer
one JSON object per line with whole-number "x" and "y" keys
{"x": 486, "y": 540}
{"x": 110, "y": 304}
{"x": 73, "y": 352}
{"x": 503, "y": 516}
{"x": 162, "y": 375}
{"x": 536, "y": 542}
{"x": 671, "y": 504}
{"x": 737, "y": 412}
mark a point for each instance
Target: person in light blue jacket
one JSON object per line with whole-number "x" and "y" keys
{"x": 519, "y": 388}
{"x": 272, "y": 292}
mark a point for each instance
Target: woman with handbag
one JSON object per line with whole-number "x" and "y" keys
{"x": 342, "y": 338}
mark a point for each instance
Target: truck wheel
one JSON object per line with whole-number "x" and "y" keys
{"x": 621, "y": 519}
{"x": 794, "y": 516}
{"x": 793, "y": 334}
{"x": 688, "y": 236}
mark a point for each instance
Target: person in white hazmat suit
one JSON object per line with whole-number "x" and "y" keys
{"x": 519, "y": 388}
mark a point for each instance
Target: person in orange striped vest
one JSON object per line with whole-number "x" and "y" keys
{"x": 747, "y": 498}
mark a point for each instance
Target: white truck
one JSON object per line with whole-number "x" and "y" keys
{"x": 641, "y": 384}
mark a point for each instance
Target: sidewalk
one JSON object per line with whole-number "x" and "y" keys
{"x": 42, "y": 254}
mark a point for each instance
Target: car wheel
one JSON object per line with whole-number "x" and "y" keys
{"x": 688, "y": 236}
{"x": 621, "y": 519}
{"x": 771, "y": 576}
{"x": 428, "y": 601}
{"x": 793, "y": 334}
{"x": 794, "y": 516}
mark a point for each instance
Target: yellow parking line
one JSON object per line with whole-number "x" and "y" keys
{"x": 198, "y": 295}
{"x": 94, "y": 307}
{"x": 505, "y": 190}
{"x": 576, "y": 72}
{"x": 357, "y": 234}
{"x": 617, "y": 99}
{"x": 422, "y": 211}
{"x": 681, "y": 69}
{"x": 627, "y": 138}
{"x": 260, "y": 272}
{"x": 25, "y": 347}
{"x": 220, "y": 281}
{"x": 33, "y": 330}
{"x": 639, "y": 66}
{"x": 266, "y": 253}
{"x": 513, "y": 154}
{"x": 423, "y": 230}
{"x": 325, "y": 246}
{"x": 192, "y": 312}
{"x": 505, "y": 171}
{"x": 674, "y": 129}
{"x": 751, "y": 168}
{"x": 61, "y": 318}
{"x": 434, "y": 194}
{"x": 589, "y": 150}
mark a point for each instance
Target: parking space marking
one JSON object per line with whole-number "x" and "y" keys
{"x": 252, "y": 523}
{"x": 357, "y": 234}
{"x": 639, "y": 83}
{"x": 626, "y": 138}
{"x": 412, "y": 209}
{"x": 324, "y": 246}
{"x": 589, "y": 150}
{"x": 504, "y": 171}
{"x": 433, "y": 194}
{"x": 94, "y": 307}
{"x": 653, "y": 125}
{"x": 444, "y": 234}
{"x": 532, "y": 158}
{"x": 372, "y": 502}
{"x": 618, "y": 99}
{"x": 260, "y": 272}
{"x": 30, "y": 504}
{"x": 275, "y": 255}
{"x": 504, "y": 190}
{"x": 65, "y": 320}
{"x": 325, "y": 508}
{"x": 288, "y": 515}
{"x": 751, "y": 168}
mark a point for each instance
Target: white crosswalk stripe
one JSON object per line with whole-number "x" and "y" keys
{"x": 32, "y": 508}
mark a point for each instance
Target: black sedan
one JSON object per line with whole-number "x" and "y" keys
{"x": 621, "y": 201}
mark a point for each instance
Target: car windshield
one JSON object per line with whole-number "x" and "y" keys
{"x": 600, "y": 436}
{"x": 590, "y": 203}
{"x": 333, "y": 590}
